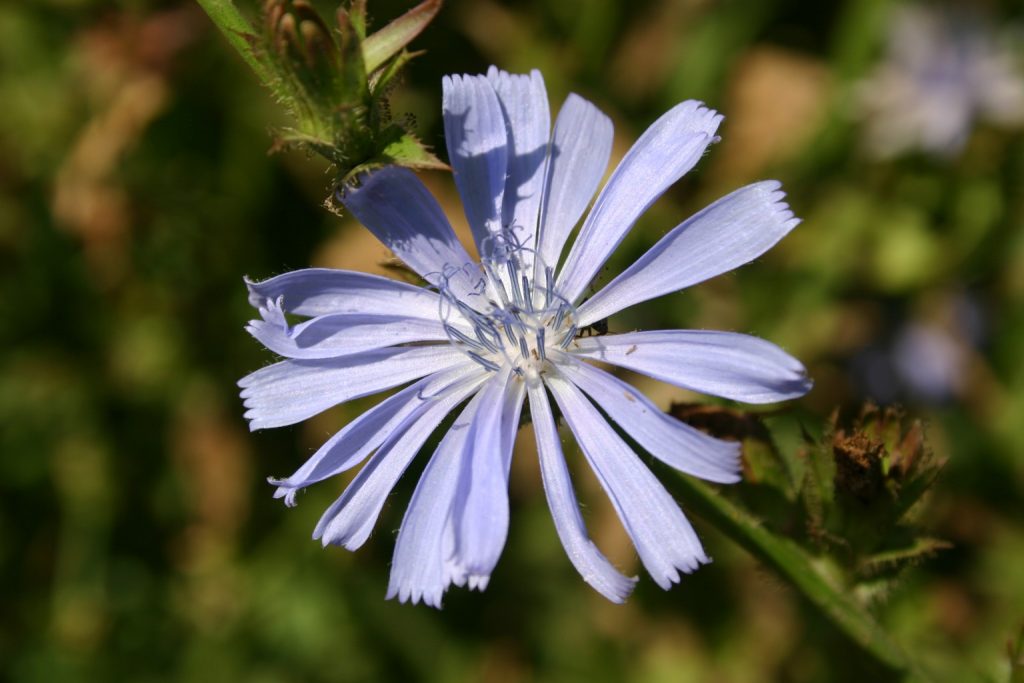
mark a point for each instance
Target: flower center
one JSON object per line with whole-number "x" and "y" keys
{"x": 515, "y": 317}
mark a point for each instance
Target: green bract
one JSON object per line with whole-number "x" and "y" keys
{"x": 334, "y": 80}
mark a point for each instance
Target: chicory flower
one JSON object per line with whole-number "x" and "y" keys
{"x": 945, "y": 70}
{"x": 513, "y": 328}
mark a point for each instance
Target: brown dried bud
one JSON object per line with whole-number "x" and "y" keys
{"x": 858, "y": 465}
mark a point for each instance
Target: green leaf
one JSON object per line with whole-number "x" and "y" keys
{"x": 409, "y": 151}
{"x": 382, "y": 78}
{"x": 404, "y": 149}
{"x": 897, "y": 558}
{"x": 240, "y": 35}
{"x": 390, "y": 40}
{"x": 806, "y": 573}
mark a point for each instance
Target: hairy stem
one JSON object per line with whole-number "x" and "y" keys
{"x": 795, "y": 565}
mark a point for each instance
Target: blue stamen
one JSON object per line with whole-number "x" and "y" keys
{"x": 484, "y": 362}
{"x": 482, "y": 337}
{"x": 559, "y": 317}
{"x": 515, "y": 313}
{"x": 569, "y": 336}
{"x": 527, "y": 295}
{"x": 470, "y": 314}
{"x": 493, "y": 334}
{"x": 452, "y": 332}
{"x": 513, "y": 277}
{"x": 509, "y": 332}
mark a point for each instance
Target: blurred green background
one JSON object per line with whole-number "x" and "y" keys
{"x": 138, "y": 538}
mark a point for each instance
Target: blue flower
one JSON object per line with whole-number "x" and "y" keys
{"x": 513, "y": 328}
{"x": 945, "y": 69}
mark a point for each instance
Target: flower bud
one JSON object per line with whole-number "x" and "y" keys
{"x": 304, "y": 46}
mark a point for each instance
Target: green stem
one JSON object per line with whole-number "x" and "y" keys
{"x": 238, "y": 31}
{"x": 787, "y": 558}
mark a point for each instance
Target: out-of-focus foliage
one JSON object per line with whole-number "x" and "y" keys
{"x": 138, "y": 537}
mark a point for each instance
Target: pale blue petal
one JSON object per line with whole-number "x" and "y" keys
{"x": 734, "y": 230}
{"x": 481, "y": 516}
{"x": 293, "y": 390}
{"x": 726, "y": 364}
{"x": 667, "y": 150}
{"x": 663, "y": 537}
{"x": 272, "y": 312}
{"x": 580, "y": 147}
{"x": 673, "y": 442}
{"x": 362, "y": 436}
{"x": 344, "y": 334}
{"x": 592, "y": 565}
{"x": 350, "y": 519}
{"x": 422, "y": 551}
{"x": 474, "y": 129}
{"x": 454, "y": 573}
{"x": 524, "y": 103}
{"x": 396, "y": 207}
{"x": 320, "y": 291}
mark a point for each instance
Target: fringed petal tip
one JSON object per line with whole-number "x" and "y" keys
{"x": 686, "y": 566}
{"x": 735, "y": 476}
{"x": 478, "y": 582}
{"x": 260, "y": 417}
{"x": 430, "y": 593}
{"x": 457, "y": 80}
{"x": 255, "y": 424}
{"x": 775, "y": 200}
{"x": 699, "y": 116}
{"x": 270, "y": 308}
{"x": 247, "y": 381}
{"x": 494, "y": 74}
{"x": 260, "y": 329}
{"x": 729, "y": 455}
{"x": 413, "y": 596}
{"x": 433, "y": 597}
{"x": 615, "y": 589}
{"x": 272, "y": 311}
{"x": 327, "y": 534}
{"x": 285, "y": 491}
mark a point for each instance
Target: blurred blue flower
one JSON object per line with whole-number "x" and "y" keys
{"x": 511, "y": 328}
{"x": 945, "y": 69}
